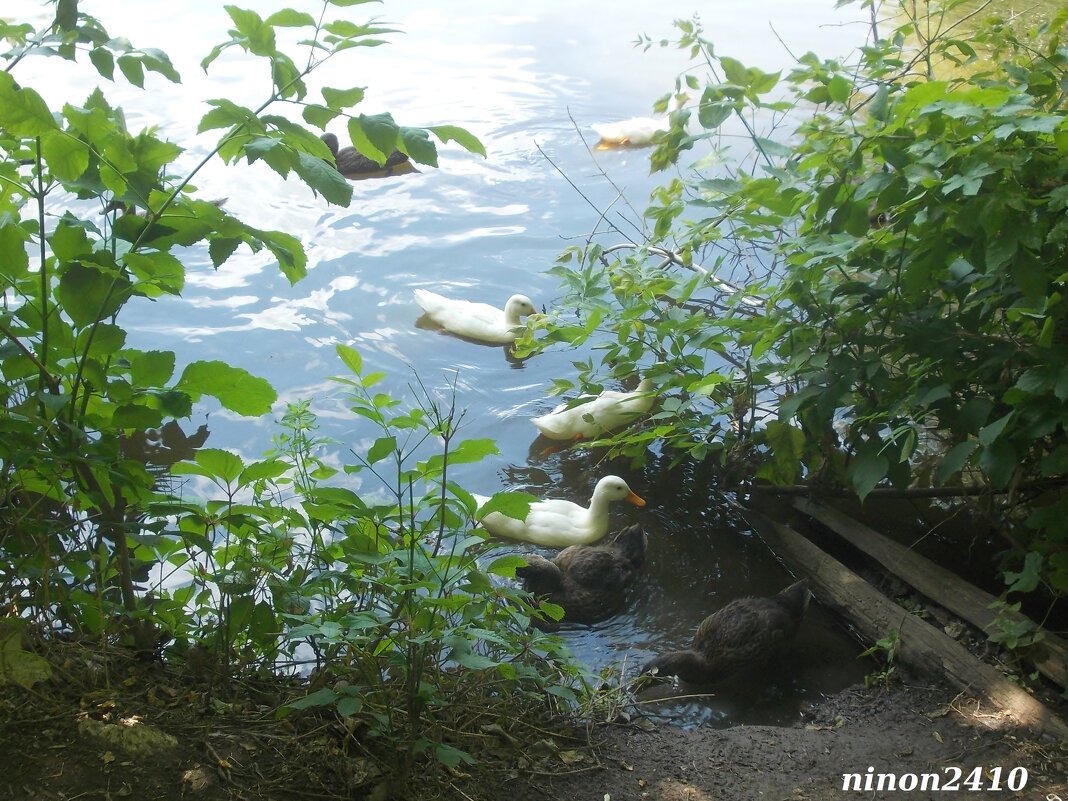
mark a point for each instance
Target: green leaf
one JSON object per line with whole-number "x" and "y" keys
{"x": 374, "y": 135}
{"x": 13, "y": 253}
{"x": 133, "y": 69}
{"x": 158, "y": 273}
{"x": 236, "y": 389}
{"x": 350, "y": 705}
{"x": 462, "y": 137}
{"x": 89, "y": 295}
{"x": 954, "y": 461}
{"x": 416, "y": 143}
{"x": 839, "y": 89}
{"x": 510, "y": 504}
{"x": 382, "y": 447}
{"x": 151, "y": 368}
{"x": 714, "y": 109}
{"x": 867, "y": 468}
{"x": 342, "y": 98}
{"x": 224, "y": 114}
{"x": 1027, "y": 579}
{"x": 987, "y": 434}
{"x": 473, "y": 450}
{"x": 159, "y": 62}
{"x": 787, "y": 445}
{"x": 259, "y": 37}
{"x": 998, "y": 460}
{"x": 319, "y": 116}
{"x": 322, "y": 697}
{"x": 735, "y": 71}
{"x": 324, "y": 179}
{"x": 289, "y": 18}
{"x": 21, "y": 667}
{"x": 351, "y": 357}
{"x": 506, "y": 565}
{"x": 22, "y": 111}
{"x": 292, "y": 260}
{"x": 222, "y": 248}
{"x": 67, "y": 14}
{"x": 263, "y": 470}
{"x": 221, "y": 464}
{"x": 445, "y": 754}
{"x": 67, "y": 157}
{"x": 263, "y": 627}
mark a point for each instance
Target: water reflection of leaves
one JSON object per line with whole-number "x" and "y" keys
{"x": 164, "y": 446}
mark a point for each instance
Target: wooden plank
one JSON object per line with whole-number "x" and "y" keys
{"x": 922, "y": 647}
{"x": 942, "y": 586}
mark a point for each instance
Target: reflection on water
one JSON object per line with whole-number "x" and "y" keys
{"x": 526, "y": 84}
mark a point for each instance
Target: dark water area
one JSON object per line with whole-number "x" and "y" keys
{"x": 529, "y": 83}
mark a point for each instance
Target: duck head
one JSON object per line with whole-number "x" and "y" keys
{"x": 613, "y": 488}
{"x": 688, "y": 665}
{"x": 517, "y": 307}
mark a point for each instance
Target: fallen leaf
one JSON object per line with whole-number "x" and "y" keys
{"x": 543, "y": 747}
{"x": 107, "y": 757}
{"x": 570, "y": 757}
{"x": 937, "y": 736}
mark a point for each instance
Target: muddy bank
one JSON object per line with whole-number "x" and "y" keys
{"x": 905, "y": 729}
{"x": 149, "y": 733}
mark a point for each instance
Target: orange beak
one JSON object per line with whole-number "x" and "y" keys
{"x": 636, "y": 500}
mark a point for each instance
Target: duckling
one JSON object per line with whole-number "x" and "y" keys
{"x": 744, "y": 635}
{"x": 351, "y": 161}
{"x": 588, "y": 581}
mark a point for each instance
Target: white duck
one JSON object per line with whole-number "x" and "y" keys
{"x": 476, "y": 320}
{"x": 636, "y": 132}
{"x": 598, "y": 414}
{"x": 557, "y": 523}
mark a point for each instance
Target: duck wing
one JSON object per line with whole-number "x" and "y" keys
{"x": 745, "y": 634}
{"x": 592, "y": 567}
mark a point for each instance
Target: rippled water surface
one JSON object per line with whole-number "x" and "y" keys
{"x": 528, "y": 83}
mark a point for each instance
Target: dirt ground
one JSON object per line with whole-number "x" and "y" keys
{"x": 140, "y": 735}
{"x": 898, "y": 730}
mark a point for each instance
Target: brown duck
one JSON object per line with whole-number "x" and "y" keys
{"x": 744, "y": 635}
{"x": 588, "y": 581}
{"x": 351, "y": 161}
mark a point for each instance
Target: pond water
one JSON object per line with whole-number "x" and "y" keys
{"x": 529, "y": 84}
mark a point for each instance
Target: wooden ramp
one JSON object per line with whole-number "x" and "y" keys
{"x": 922, "y": 647}
{"x": 945, "y": 588}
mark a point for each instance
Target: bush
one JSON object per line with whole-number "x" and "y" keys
{"x": 274, "y": 570}
{"x": 874, "y": 296}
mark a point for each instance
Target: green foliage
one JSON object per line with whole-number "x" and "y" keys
{"x": 388, "y": 591}
{"x": 872, "y": 298}
{"x": 886, "y": 648}
{"x": 271, "y": 566}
